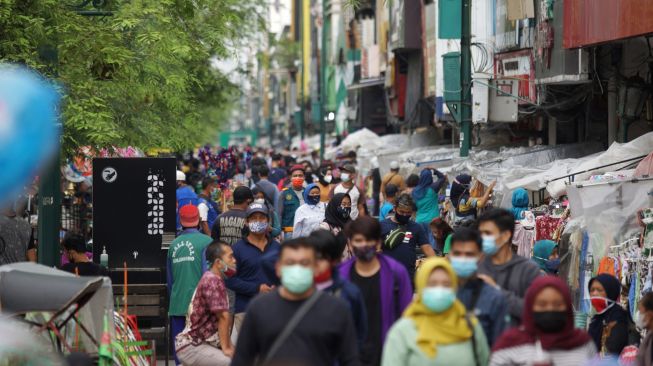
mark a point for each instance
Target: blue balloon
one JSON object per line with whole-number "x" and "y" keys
{"x": 29, "y": 135}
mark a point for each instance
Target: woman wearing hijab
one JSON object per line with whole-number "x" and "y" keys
{"x": 545, "y": 254}
{"x": 426, "y": 195}
{"x": 436, "y": 329}
{"x": 610, "y": 326}
{"x": 336, "y": 216}
{"x": 519, "y": 203}
{"x": 309, "y": 215}
{"x": 547, "y": 334}
{"x": 464, "y": 203}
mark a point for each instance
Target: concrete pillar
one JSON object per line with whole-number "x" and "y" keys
{"x": 553, "y": 131}
{"x": 612, "y": 109}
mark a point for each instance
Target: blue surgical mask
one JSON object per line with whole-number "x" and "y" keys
{"x": 296, "y": 278}
{"x": 463, "y": 266}
{"x": 552, "y": 265}
{"x": 438, "y": 299}
{"x": 489, "y": 245}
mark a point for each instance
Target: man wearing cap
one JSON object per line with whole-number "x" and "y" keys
{"x": 251, "y": 279}
{"x": 228, "y": 227}
{"x": 185, "y": 195}
{"x": 291, "y": 198}
{"x": 185, "y": 266}
{"x": 393, "y": 177}
{"x": 347, "y": 185}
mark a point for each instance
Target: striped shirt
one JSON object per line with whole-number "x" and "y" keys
{"x": 524, "y": 354}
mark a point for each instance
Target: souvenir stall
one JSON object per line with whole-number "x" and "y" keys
{"x": 608, "y": 231}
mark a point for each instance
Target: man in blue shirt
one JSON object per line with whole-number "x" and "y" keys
{"x": 486, "y": 302}
{"x": 251, "y": 279}
{"x": 402, "y": 237}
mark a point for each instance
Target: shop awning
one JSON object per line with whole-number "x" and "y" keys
{"x": 367, "y": 83}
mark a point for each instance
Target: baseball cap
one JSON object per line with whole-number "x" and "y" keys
{"x": 394, "y": 165}
{"x": 181, "y": 176}
{"x": 257, "y": 207}
{"x": 242, "y": 193}
{"x": 296, "y": 167}
{"x": 189, "y": 216}
{"x": 349, "y": 168}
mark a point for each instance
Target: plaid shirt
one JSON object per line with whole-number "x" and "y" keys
{"x": 210, "y": 298}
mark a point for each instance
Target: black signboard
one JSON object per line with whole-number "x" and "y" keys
{"x": 133, "y": 210}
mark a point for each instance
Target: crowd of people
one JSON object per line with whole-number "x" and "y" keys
{"x": 299, "y": 270}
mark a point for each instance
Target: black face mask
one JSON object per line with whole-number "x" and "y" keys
{"x": 344, "y": 212}
{"x": 550, "y": 321}
{"x": 402, "y": 219}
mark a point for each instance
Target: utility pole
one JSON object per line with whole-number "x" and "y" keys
{"x": 303, "y": 69}
{"x": 323, "y": 88}
{"x": 466, "y": 80}
{"x": 50, "y": 213}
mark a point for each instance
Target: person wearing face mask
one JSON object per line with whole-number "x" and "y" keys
{"x": 645, "y": 322}
{"x": 610, "y": 325}
{"x": 209, "y": 210}
{"x": 290, "y": 199}
{"x": 296, "y": 324}
{"x": 206, "y": 339}
{"x": 184, "y": 266}
{"x": 185, "y": 195}
{"x": 325, "y": 182}
{"x": 309, "y": 215}
{"x": 545, "y": 254}
{"x": 384, "y": 283}
{"x": 501, "y": 268}
{"x": 348, "y": 186}
{"x": 464, "y": 201}
{"x": 479, "y": 298}
{"x": 328, "y": 279}
{"x": 436, "y": 329}
{"x": 251, "y": 279}
{"x": 262, "y": 198}
{"x": 547, "y": 335}
{"x": 336, "y": 216}
{"x": 402, "y": 235}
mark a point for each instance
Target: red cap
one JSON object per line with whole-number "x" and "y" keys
{"x": 296, "y": 167}
{"x": 189, "y": 216}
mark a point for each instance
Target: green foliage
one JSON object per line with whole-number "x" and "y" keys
{"x": 141, "y": 77}
{"x": 286, "y": 52}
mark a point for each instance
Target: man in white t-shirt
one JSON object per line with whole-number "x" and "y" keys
{"x": 347, "y": 185}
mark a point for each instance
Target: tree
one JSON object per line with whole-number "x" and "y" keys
{"x": 141, "y": 77}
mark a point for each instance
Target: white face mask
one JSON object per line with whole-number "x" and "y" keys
{"x": 259, "y": 200}
{"x": 328, "y": 178}
{"x": 345, "y": 177}
{"x": 641, "y": 321}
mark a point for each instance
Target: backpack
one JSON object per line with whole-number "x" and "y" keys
{"x": 394, "y": 238}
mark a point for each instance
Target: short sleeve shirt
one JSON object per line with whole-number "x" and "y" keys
{"x": 210, "y": 298}
{"x": 406, "y": 252}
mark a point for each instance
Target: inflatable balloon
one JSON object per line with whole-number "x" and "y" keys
{"x": 28, "y": 127}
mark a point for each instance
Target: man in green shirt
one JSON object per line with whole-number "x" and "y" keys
{"x": 185, "y": 266}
